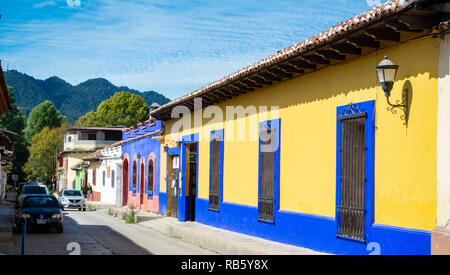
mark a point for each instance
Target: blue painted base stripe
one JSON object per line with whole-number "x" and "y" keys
{"x": 311, "y": 231}
{"x": 163, "y": 203}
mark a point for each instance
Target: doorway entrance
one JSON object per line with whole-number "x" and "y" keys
{"x": 125, "y": 182}
{"x": 173, "y": 185}
{"x": 192, "y": 179}
{"x": 142, "y": 187}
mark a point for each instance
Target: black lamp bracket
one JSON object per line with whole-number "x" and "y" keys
{"x": 403, "y": 106}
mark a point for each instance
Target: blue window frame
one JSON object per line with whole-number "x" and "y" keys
{"x": 269, "y": 170}
{"x": 134, "y": 177}
{"x": 355, "y": 171}
{"x": 216, "y": 153}
{"x": 150, "y": 177}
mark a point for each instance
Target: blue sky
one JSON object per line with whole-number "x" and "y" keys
{"x": 173, "y": 47}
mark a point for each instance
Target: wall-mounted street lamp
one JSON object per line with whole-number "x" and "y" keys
{"x": 178, "y": 143}
{"x": 386, "y": 72}
{"x": 166, "y": 148}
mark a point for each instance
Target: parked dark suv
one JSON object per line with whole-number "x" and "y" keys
{"x": 31, "y": 189}
{"x": 40, "y": 211}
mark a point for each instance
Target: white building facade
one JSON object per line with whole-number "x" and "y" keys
{"x": 441, "y": 235}
{"x": 108, "y": 176}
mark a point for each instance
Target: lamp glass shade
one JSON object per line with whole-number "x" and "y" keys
{"x": 386, "y": 72}
{"x": 386, "y": 75}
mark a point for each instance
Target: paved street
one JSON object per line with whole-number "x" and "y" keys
{"x": 98, "y": 234}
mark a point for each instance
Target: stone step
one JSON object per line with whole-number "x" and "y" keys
{"x": 6, "y": 236}
{"x": 5, "y": 227}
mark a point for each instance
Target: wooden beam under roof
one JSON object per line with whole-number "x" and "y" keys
{"x": 290, "y": 68}
{"x": 251, "y": 84}
{"x": 364, "y": 42}
{"x": 419, "y": 22}
{"x": 345, "y": 48}
{"x": 315, "y": 59}
{"x": 400, "y": 27}
{"x": 208, "y": 101}
{"x": 240, "y": 87}
{"x": 329, "y": 54}
{"x": 222, "y": 95}
{"x": 260, "y": 80}
{"x": 233, "y": 92}
{"x": 268, "y": 75}
{"x": 386, "y": 34}
{"x": 302, "y": 64}
{"x": 211, "y": 97}
{"x": 280, "y": 73}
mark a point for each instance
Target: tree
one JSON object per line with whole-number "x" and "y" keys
{"x": 122, "y": 109}
{"x": 14, "y": 121}
{"x": 45, "y": 145}
{"x": 88, "y": 120}
{"x": 45, "y": 114}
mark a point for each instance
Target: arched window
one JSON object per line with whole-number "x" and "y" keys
{"x": 135, "y": 175}
{"x": 150, "y": 176}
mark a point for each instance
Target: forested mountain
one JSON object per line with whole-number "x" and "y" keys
{"x": 72, "y": 101}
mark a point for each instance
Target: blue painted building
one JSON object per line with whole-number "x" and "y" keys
{"x": 140, "y": 165}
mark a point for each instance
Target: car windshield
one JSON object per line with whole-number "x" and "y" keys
{"x": 72, "y": 193}
{"x": 49, "y": 202}
{"x": 34, "y": 190}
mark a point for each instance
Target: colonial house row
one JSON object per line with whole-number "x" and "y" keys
{"x": 78, "y": 143}
{"x": 333, "y": 156}
{"x": 344, "y": 160}
{"x": 126, "y": 172}
{"x": 6, "y": 146}
{"x": 102, "y": 170}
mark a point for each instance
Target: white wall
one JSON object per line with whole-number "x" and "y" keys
{"x": 110, "y": 158}
{"x": 443, "y": 135}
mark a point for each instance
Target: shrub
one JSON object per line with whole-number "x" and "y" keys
{"x": 128, "y": 217}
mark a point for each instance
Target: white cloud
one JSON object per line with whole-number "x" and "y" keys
{"x": 44, "y": 4}
{"x": 172, "y": 47}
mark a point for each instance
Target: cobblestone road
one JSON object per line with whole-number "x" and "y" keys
{"x": 97, "y": 234}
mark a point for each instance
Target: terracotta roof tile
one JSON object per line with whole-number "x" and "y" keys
{"x": 336, "y": 32}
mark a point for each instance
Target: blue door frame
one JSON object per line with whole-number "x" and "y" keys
{"x": 183, "y": 199}
{"x": 164, "y": 202}
{"x": 345, "y": 112}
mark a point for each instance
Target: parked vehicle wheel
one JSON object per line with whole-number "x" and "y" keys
{"x": 84, "y": 209}
{"x": 60, "y": 229}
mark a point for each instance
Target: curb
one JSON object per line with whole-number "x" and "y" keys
{"x": 214, "y": 239}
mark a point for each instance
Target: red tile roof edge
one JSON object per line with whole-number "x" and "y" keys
{"x": 336, "y": 32}
{"x": 98, "y": 152}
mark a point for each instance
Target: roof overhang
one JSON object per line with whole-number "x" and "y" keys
{"x": 386, "y": 25}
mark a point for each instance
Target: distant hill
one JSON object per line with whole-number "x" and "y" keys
{"x": 72, "y": 101}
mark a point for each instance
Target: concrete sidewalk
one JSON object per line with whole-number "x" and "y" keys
{"x": 98, "y": 205}
{"x": 6, "y": 236}
{"x": 211, "y": 238}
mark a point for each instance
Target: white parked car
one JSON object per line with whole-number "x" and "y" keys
{"x": 72, "y": 199}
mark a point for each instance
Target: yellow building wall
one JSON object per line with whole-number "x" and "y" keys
{"x": 405, "y": 156}
{"x": 73, "y": 159}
